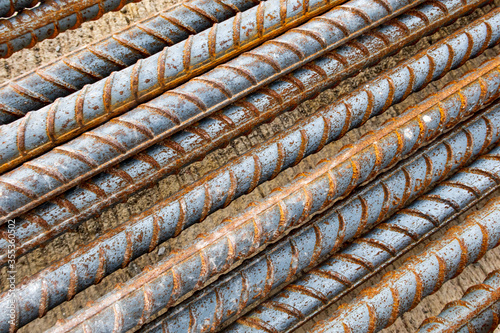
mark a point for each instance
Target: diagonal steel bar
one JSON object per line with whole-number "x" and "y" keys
{"x": 263, "y": 222}
{"x": 81, "y": 202}
{"x": 49, "y": 19}
{"x": 148, "y": 78}
{"x": 192, "y": 204}
{"x": 10, "y": 7}
{"x": 402, "y": 289}
{"x": 124, "y": 48}
{"x": 468, "y": 314}
{"x": 328, "y": 282}
{"x": 263, "y": 274}
{"x": 125, "y": 89}
{"x": 124, "y": 136}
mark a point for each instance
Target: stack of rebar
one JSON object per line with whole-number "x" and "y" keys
{"x": 385, "y": 164}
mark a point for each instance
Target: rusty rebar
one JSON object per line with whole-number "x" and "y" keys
{"x": 402, "y": 289}
{"x": 195, "y": 202}
{"x": 459, "y": 315}
{"x": 345, "y": 271}
{"x": 54, "y": 217}
{"x": 96, "y": 150}
{"x": 261, "y": 223}
{"x": 10, "y": 7}
{"x": 124, "y": 48}
{"x": 49, "y": 19}
{"x": 280, "y": 264}
{"x": 125, "y": 89}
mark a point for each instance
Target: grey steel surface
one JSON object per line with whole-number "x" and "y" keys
{"x": 263, "y": 222}
{"x": 49, "y": 19}
{"x": 69, "y": 73}
{"x": 9, "y": 7}
{"x": 423, "y": 274}
{"x": 68, "y": 210}
{"x": 94, "y": 151}
{"x": 226, "y": 298}
{"x": 345, "y": 271}
{"x": 477, "y": 311}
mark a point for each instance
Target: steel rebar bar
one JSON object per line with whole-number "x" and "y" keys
{"x": 208, "y": 310}
{"x": 148, "y": 78}
{"x": 9, "y": 7}
{"x": 152, "y": 122}
{"x": 261, "y": 223}
{"x": 124, "y": 48}
{"x": 402, "y": 289}
{"x": 458, "y": 316}
{"x": 54, "y": 217}
{"x": 49, "y": 19}
{"x": 345, "y": 271}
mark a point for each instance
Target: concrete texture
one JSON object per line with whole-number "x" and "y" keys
{"x": 48, "y": 50}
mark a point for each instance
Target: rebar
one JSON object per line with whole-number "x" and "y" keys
{"x": 195, "y": 202}
{"x": 96, "y": 150}
{"x": 256, "y": 279}
{"x": 124, "y": 48}
{"x": 10, "y": 7}
{"x": 458, "y": 316}
{"x": 237, "y": 238}
{"x": 368, "y": 255}
{"x": 401, "y": 290}
{"x": 49, "y": 19}
{"x": 54, "y": 217}
{"x": 198, "y": 98}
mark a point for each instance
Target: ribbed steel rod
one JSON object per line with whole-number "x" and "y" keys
{"x": 345, "y": 271}
{"x": 54, "y": 217}
{"x": 262, "y": 222}
{"x": 457, "y": 316}
{"x": 9, "y": 7}
{"x": 195, "y": 202}
{"x": 213, "y": 306}
{"x": 124, "y": 48}
{"x": 486, "y": 322}
{"x": 150, "y": 77}
{"x": 49, "y": 19}
{"x": 401, "y": 290}
{"x": 124, "y": 136}
{"x": 213, "y": 191}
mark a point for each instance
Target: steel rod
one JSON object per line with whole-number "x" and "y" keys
{"x": 260, "y": 276}
{"x": 96, "y": 150}
{"x": 91, "y": 197}
{"x": 401, "y": 290}
{"x": 10, "y": 7}
{"x": 263, "y": 222}
{"x": 124, "y": 48}
{"x": 49, "y": 19}
{"x": 465, "y": 314}
{"x": 150, "y": 77}
{"x": 358, "y": 262}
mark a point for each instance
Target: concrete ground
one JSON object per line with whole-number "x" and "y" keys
{"x": 46, "y": 51}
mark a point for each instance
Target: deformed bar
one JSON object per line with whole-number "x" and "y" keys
{"x": 9, "y": 7}
{"x": 147, "y": 78}
{"x": 280, "y": 264}
{"x": 124, "y": 48}
{"x": 401, "y": 290}
{"x": 468, "y": 314}
{"x": 96, "y": 150}
{"x": 81, "y": 202}
{"x": 345, "y": 271}
{"x": 49, "y": 19}
{"x": 263, "y": 222}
